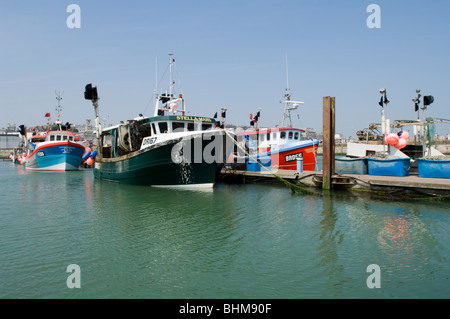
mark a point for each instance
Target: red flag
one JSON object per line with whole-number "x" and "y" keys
{"x": 47, "y": 114}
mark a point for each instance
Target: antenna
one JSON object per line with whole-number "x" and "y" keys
{"x": 289, "y": 105}
{"x": 287, "y": 97}
{"x": 287, "y": 75}
{"x": 58, "y": 107}
{"x": 156, "y": 76}
{"x": 171, "y": 62}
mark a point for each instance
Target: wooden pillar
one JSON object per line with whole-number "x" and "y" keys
{"x": 328, "y": 141}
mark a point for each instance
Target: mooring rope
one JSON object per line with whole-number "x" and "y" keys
{"x": 293, "y": 187}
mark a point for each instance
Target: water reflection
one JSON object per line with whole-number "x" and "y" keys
{"x": 330, "y": 239}
{"x": 408, "y": 243}
{"x": 170, "y": 237}
{"x": 238, "y": 241}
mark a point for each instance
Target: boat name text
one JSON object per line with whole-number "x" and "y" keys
{"x": 149, "y": 141}
{"x": 193, "y": 118}
{"x": 293, "y": 157}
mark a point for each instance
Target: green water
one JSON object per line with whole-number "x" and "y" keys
{"x": 236, "y": 241}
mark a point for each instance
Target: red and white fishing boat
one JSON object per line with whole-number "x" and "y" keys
{"x": 279, "y": 148}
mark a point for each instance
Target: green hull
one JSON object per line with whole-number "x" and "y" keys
{"x": 154, "y": 166}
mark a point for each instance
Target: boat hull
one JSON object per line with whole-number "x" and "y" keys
{"x": 298, "y": 158}
{"x": 62, "y": 156}
{"x": 287, "y": 159}
{"x": 159, "y": 165}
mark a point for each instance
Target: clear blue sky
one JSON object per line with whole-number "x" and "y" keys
{"x": 229, "y": 53}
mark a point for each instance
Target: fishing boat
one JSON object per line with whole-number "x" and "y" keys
{"x": 169, "y": 148}
{"x": 55, "y": 149}
{"x": 279, "y": 148}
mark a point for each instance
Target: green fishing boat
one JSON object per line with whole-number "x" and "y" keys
{"x": 169, "y": 148}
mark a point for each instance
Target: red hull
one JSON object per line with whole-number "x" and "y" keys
{"x": 287, "y": 160}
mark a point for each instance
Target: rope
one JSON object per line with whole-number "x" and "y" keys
{"x": 293, "y": 187}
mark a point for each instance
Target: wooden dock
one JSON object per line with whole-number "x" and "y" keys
{"x": 389, "y": 184}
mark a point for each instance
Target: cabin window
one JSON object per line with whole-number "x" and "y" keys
{"x": 143, "y": 131}
{"x": 162, "y": 127}
{"x": 52, "y": 137}
{"x": 65, "y": 137}
{"x": 268, "y": 136}
{"x": 107, "y": 146}
{"x": 274, "y": 136}
{"x": 177, "y": 127}
{"x": 262, "y": 137}
{"x": 206, "y": 127}
{"x": 283, "y": 135}
{"x": 296, "y": 135}
{"x": 190, "y": 127}
{"x": 107, "y": 140}
{"x": 58, "y": 137}
{"x": 154, "y": 128}
{"x": 290, "y": 135}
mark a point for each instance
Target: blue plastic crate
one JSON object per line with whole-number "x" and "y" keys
{"x": 433, "y": 169}
{"x": 347, "y": 165}
{"x": 389, "y": 167}
{"x": 253, "y": 166}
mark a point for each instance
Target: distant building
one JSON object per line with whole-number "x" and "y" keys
{"x": 311, "y": 133}
{"x": 339, "y": 138}
{"x": 9, "y": 140}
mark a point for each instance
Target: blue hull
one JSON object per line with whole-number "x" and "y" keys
{"x": 55, "y": 158}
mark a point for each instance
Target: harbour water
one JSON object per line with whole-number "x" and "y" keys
{"x": 235, "y": 241}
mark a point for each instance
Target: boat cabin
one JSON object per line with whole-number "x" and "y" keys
{"x": 56, "y": 136}
{"x": 128, "y": 137}
{"x": 265, "y": 139}
{"x": 53, "y": 136}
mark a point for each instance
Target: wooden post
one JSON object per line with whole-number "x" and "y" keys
{"x": 328, "y": 141}
{"x": 333, "y": 133}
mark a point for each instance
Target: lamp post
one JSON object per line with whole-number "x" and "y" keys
{"x": 223, "y": 115}
{"x": 385, "y": 123}
{"x": 416, "y": 101}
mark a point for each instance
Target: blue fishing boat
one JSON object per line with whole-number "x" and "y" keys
{"x": 55, "y": 150}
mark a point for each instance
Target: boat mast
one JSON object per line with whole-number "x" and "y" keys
{"x": 287, "y": 97}
{"x": 167, "y": 98}
{"x": 288, "y": 104}
{"x": 171, "y": 62}
{"x": 58, "y": 108}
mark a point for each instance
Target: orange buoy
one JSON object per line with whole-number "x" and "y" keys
{"x": 401, "y": 143}
{"x": 90, "y": 161}
{"x": 391, "y": 139}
